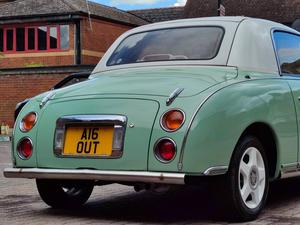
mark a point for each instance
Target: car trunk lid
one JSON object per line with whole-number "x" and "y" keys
{"x": 137, "y": 132}
{"x": 157, "y": 81}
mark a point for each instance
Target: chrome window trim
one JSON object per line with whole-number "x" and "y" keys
{"x": 118, "y": 121}
{"x": 275, "y": 49}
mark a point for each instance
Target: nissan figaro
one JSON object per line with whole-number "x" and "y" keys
{"x": 170, "y": 104}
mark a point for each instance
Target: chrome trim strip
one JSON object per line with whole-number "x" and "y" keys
{"x": 286, "y": 168}
{"x": 85, "y": 174}
{"x": 110, "y": 119}
{"x": 290, "y": 174}
{"x": 290, "y": 170}
{"x": 216, "y": 170}
{"x": 46, "y": 99}
{"x": 180, "y": 162}
{"x": 174, "y": 95}
{"x": 118, "y": 121}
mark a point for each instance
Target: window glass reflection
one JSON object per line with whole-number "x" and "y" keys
{"x": 42, "y": 38}
{"x": 64, "y": 37}
{"x": 192, "y": 43}
{"x": 288, "y": 50}
{"x": 53, "y": 37}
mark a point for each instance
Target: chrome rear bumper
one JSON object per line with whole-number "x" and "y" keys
{"x": 86, "y": 174}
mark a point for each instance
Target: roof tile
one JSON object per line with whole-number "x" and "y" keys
{"x": 23, "y": 8}
{"x": 160, "y": 14}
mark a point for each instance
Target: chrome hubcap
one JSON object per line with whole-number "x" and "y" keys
{"x": 252, "y": 177}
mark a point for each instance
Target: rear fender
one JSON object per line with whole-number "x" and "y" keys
{"x": 220, "y": 122}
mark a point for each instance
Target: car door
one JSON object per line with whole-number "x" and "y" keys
{"x": 287, "y": 47}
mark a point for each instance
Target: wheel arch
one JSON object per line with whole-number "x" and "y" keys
{"x": 268, "y": 139}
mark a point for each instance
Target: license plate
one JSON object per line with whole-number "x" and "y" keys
{"x": 88, "y": 141}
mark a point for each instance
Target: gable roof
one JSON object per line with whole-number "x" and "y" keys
{"x": 159, "y": 14}
{"x": 23, "y": 8}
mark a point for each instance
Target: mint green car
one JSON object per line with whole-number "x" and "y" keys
{"x": 171, "y": 103}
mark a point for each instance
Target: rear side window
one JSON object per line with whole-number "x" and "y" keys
{"x": 187, "y": 43}
{"x": 288, "y": 51}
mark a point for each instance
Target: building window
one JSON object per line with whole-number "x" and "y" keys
{"x": 42, "y": 38}
{"x": 34, "y": 38}
{"x": 9, "y": 34}
{"x": 64, "y": 37}
{"x": 53, "y": 38}
{"x": 31, "y": 39}
{"x": 20, "y": 39}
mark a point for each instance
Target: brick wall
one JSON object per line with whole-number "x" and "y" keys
{"x": 283, "y": 11}
{"x": 203, "y": 8}
{"x": 41, "y": 61}
{"x": 16, "y": 88}
{"x": 98, "y": 38}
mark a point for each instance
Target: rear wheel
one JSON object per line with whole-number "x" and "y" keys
{"x": 61, "y": 194}
{"x": 248, "y": 180}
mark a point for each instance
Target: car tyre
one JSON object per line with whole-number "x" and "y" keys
{"x": 64, "y": 194}
{"x": 248, "y": 179}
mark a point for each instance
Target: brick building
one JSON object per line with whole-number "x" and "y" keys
{"x": 282, "y": 11}
{"x": 43, "y": 41}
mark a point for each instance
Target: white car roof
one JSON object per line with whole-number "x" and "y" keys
{"x": 252, "y": 48}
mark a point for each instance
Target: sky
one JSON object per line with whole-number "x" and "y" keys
{"x": 140, "y": 4}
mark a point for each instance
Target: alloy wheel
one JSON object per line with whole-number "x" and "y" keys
{"x": 252, "y": 177}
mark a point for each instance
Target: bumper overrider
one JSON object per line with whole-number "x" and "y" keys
{"x": 86, "y": 174}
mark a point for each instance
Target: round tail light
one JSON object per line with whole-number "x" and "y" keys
{"x": 28, "y": 122}
{"x": 25, "y": 148}
{"x": 172, "y": 120}
{"x": 165, "y": 150}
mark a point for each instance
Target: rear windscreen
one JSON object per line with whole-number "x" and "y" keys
{"x": 188, "y": 43}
